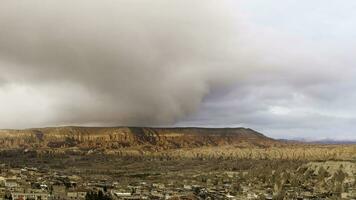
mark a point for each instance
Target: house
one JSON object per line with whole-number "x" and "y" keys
{"x": 76, "y": 195}
{"x": 29, "y": 196}
{"x": 59, "y": 192}
{"x": 11, "y": 183}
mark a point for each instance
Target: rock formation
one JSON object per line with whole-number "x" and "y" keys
{"x": 124, "y": 137}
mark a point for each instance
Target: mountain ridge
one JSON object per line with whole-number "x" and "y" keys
{"x": 123, "y": 137}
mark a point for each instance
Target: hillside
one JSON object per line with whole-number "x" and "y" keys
{"x": 163, "y": 143}
{"x": 124, "y": 137}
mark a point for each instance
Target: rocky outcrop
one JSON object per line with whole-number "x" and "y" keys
{"x": 125, "y": 137}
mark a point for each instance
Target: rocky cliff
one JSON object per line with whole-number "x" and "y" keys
{"x": 125, "y": 137}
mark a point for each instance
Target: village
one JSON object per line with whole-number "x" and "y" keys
{"x": 312, "y": 181}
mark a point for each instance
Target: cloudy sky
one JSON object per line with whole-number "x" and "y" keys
{"x": 283, "y": 67}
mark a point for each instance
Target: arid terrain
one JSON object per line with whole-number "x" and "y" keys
{"x": 177, "y": 163}
{"x": 228, "y": 143}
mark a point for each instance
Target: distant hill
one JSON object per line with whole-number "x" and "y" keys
{"x": 331, "y": 141}
{"x": 125, "y": 137}
{"x": 321, "y": 141}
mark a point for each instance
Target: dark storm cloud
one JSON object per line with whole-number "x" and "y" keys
{"x": 119, "y": 62}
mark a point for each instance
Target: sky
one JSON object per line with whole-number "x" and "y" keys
{"x": 284, "y": 68}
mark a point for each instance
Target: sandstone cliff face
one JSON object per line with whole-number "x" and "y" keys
{"x": 124, "y": 137}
